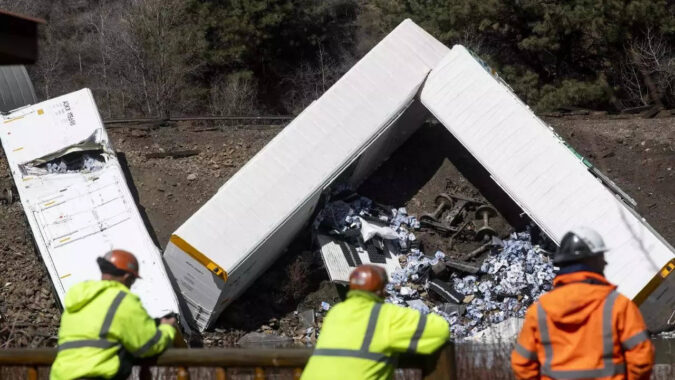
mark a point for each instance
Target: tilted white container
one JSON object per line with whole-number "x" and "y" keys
{"x": 220, "y": 250}
{"x": 548, "y": 180}
{"x": 78, "y": 216}
{"x": 357, "y": 123}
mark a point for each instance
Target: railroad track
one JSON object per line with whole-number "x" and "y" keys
{"x": 240, "y": 120}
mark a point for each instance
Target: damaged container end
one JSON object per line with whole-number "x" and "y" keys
{"x": 76, "y": 198}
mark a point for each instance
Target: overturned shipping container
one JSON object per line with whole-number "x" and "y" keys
{"x": 551, "y": 183}
{"x": 76, "y": 198}
{"x": 345, "y": 134}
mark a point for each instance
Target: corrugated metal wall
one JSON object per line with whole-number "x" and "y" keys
{"x": 16, "y": 88}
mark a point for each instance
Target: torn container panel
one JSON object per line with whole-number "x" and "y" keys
{"x": 76, "y": 198}
{"x": 341, "y": 257}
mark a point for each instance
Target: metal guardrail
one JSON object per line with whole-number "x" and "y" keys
{"x": 434, "y": 367}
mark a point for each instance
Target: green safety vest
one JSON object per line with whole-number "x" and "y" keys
{"x": 361, "y": 337}
{"x": 103, "y": 321}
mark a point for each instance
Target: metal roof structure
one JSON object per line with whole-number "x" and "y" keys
{"x": 16, "y": 88}
{"x": 18, "y": 38}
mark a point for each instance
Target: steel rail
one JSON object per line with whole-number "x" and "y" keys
{"x": 191, "y": 118}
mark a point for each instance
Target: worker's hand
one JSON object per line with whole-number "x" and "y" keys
{"x": 168, "y": 321}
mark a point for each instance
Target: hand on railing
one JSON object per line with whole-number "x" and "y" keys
{"x": 168, "y": 321}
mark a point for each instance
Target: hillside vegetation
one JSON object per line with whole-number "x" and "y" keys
{"x": 159, "y": 57}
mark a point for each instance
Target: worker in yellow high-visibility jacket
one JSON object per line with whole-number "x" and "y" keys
{"x": 104, "y": 326}
{"x": 361, "y": 336}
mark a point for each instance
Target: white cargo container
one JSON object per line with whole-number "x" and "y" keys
{"x": 358, "y": 123}
{"x": 348, "y": 132}
{"x": 78, "y": 213}
{"x": 550, "y": 182}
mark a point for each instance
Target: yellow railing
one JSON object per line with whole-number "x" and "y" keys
{"x": 438, "y": 366}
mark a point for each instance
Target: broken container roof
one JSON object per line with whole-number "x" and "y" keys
{"x": 76, "y": 198}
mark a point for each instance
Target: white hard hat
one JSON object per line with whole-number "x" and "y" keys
{"x": 579, "y": 243}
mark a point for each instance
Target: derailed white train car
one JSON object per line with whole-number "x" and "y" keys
{"x": 219, "y": 251}
{"x": 551, "y": 183}
{"x": 76, "y": 198}
{"x": 344, "y": 135}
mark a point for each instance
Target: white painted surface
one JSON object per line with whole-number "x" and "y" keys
{"x": 337, "y": 265}
{"x": 532, "y": 164}
{"x": 77, "y": 217}
{"x": 249, "y": 221}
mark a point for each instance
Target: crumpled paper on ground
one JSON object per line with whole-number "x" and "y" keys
{"x": 515, "y": 273}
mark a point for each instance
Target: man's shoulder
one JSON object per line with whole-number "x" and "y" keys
{"x": 400, "y": 311}
{"x": 623, "y": 301}
{"x": 128, "y": 299}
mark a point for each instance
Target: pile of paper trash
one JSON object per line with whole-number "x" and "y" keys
{"x": 360, "y": 216}
{"x": 84, "y": 163}
{"x": 510, "y": 279}
{"x": 513, "y": 275}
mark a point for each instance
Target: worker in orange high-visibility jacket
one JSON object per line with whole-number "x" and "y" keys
{"x": 361, "y": 336}
{"x": 104, "y": 326}
{"x": 583, "y": 328}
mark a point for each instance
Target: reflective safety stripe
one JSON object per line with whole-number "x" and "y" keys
{"x": 363, "y": 353}
{"x": 96, "y": 343}
{"x": 345, "y": 353}
{"x": 372, "y": 323}
{"x": 608, "y": 328}
{"x": 412, "y": 348}
{"x": 144, "y": 348}
{"x": 614, "y": 369}
{"x": 609, "y": 367}
{"x": 524, "y": 352}
{"x": 111, "y": 313}
{"x": 636, "y": 339}
{"x": 545, "y": 339}
{"x": 105, "y": 328}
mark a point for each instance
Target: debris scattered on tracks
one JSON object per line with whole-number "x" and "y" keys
{"x": 510, "y": 279}
{"x": 470, "y": 296}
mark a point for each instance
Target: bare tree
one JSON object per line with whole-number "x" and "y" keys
{"x": 233, "y": 94}
{"x": 35, "y": 8}
{"x": 163, "y": 46}
{"x": 649, "y": 73}
{"x": 49, "y": 66}
{"x": 99, "y": 22}
{"x": 312, "y": 78}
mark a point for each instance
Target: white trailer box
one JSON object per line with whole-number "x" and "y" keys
{"x": 548, "y": 180}
{"x": 219, "y": 251}
{"x": 78, "y": 215}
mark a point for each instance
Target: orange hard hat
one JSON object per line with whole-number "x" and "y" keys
{"x": 123, "y": 260}
{"x": 370, "y": 278}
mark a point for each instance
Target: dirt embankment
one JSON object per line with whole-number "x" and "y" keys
{"x": 638, "y": 154}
